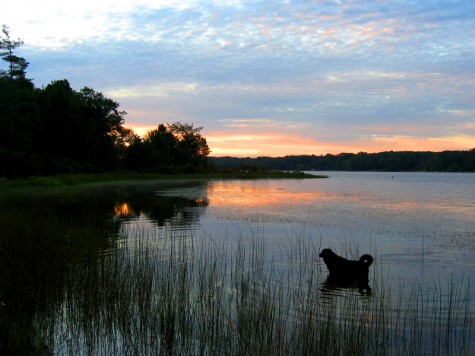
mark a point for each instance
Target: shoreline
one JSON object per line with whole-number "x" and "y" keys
{"x": 91, "y": 178}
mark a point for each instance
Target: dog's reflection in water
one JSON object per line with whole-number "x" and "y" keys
{"x": 336, "y": 287}
{"x": 346, "y": 273}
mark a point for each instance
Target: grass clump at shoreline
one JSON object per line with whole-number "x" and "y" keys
{"x": 207, "y": 298}
{"x": 77, "y": 179}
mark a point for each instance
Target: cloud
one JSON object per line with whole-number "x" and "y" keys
{"x": 56, "y": 24}
{"x": 226, "y": 143}
{"x": 414, "y": 143}
{"x": 329, "y": 73}
{"x": 158, "y": 90}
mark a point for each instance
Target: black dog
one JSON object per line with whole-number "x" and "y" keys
{"x": 347, "y": 271}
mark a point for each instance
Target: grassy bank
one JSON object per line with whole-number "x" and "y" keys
{"x": 77, "y": 179}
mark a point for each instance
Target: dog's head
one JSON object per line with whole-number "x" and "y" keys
{"x": 327, "y": 253}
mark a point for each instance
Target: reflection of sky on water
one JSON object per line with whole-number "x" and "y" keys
{"x": 416, "y": 224}
{"x": 419, "y": 227}
{"x": 352, "y": 208}
{"x": 158, "y": 202}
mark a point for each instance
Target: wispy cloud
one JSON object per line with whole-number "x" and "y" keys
{"x": 363, "y": 75}
{"x": 162, "y": 90}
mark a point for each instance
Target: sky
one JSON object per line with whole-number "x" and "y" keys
{"x": 269, "y": 77}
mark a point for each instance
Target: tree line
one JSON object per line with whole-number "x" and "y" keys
{"x": 446, "y": 161}
{"x": 56, "y": 129}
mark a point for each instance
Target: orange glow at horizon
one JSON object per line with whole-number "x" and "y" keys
{"x": 241, "y": 143}
{"x": 141, "y": 129}
{"x": 226, "y": 144}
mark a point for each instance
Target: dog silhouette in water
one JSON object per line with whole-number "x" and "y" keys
{"x": 346, "y": 272}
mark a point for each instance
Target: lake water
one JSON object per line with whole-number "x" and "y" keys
{"x": 419, "y": 227}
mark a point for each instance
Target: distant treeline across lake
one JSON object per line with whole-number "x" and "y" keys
{"x": 446, "y": 161}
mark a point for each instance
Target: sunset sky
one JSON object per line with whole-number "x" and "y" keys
{"x": 268, "y": 77}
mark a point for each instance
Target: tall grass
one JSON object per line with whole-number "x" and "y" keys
{"x": 210, "y": 298}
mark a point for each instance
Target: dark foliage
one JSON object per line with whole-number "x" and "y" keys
{"x": 56, "y": 129}
{"x": 447, "y": 161}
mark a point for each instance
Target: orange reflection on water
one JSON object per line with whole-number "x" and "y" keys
{"x": 201, "y": 202}
{"x": 266, "y": 194}
{"x": 122, "y": 209}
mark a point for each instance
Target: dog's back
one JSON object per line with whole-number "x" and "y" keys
{"x": 343, "y": 269}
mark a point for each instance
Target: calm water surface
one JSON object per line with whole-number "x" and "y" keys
{"x": 418, "y": 225}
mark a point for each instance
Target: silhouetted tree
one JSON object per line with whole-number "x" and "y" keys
{"x": 175, "y": 147}
{"x": 124, "y": 138}
{"x": 102, "y": 123}
{"x": 57, "y": 129}
{"x": 18, "y": 110}
{"x": 451, "y": 161}
{"x": 16, "y": 65}
{"x": 162, "y": 145}
{"x": 192, "y": 148}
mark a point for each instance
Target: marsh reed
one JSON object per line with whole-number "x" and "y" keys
{"x": 207, "y": 297}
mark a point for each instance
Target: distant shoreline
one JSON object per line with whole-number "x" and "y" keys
{"x": 391, "y": 161}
